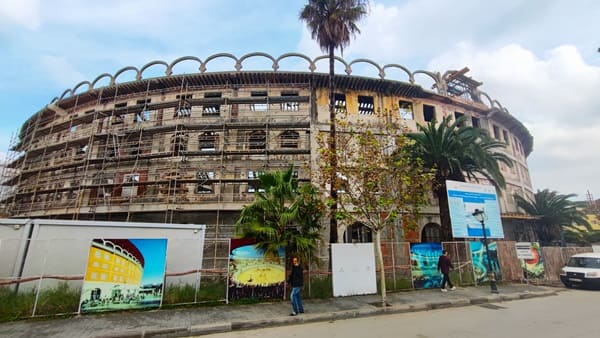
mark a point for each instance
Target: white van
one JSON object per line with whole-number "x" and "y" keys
{"x": 582, "y": 270}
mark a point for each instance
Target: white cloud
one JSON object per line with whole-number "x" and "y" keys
{"x": 24, "y": 13}
{"x": 60, "y": 71}
{"x": 555, "y": 96}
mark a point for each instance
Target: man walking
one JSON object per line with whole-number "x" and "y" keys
{"x": 444, "y": 265}
{"x": 296, "y": 281}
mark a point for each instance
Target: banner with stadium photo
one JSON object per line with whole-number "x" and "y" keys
{"x": 252, "y": 274}
{"x": 424, "y": 258}
{"x": 480, "y": 261}
{"x": 124, "y": 274}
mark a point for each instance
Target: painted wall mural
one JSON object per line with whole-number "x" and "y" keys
{"x": 254, "y": 275}
{"x": 123, "y": 274}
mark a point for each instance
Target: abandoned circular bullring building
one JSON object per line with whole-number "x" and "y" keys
{"x": 187, "y": 147}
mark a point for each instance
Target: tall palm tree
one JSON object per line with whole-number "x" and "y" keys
{"x": 557, "y": 213}
{"x": 454, "y": 151}
{"x": 283, "y": 214}
{"x": 332, "y": 23}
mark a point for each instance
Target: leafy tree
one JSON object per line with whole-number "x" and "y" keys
{"x": 557, "y": 214}
{"x": 379, "y": 184}
{"x": 451, "y": 150}
{"x": 332, "y": 23}
{"x": 283, "y": 214}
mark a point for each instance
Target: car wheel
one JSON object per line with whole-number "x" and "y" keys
{"x": 568, "y": 285}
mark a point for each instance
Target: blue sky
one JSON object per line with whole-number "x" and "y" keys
{"x": 538, "y": 58}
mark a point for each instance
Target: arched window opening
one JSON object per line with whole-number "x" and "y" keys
{"x": 358, "y": 233}
{"x": 431, "y": 233}
{"x": 257, "y": 140}
{"x": 289, "y": 139}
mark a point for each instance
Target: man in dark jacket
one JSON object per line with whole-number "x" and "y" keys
{"x": 296, "y": 281}
{"x": 444, "y": 265}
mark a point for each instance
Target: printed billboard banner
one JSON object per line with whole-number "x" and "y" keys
{"x": 254, "y": 275}
{"x": 534, "y": 267}
{"x": 124, "y": 274}
{"x": 463, "y": 200}
{"x": 424, "y": 258}
{"x": 480, "y": 261}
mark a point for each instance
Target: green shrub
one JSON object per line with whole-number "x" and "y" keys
{"x": 59, "y": 300}
{"x": 320, "y": 287}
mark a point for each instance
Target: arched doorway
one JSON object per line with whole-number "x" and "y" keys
{"x": 358, "y": 233}
{"x": 431, "y": 233}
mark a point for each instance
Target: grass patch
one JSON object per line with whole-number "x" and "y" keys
{"x": 209, "y": 291}
{"x": 320, "y": 287}
{"x": 53, "y": 301}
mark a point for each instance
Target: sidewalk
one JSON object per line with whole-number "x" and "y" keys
{"x": 206, "y": 320}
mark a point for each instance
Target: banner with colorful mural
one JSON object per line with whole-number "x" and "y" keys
{"x": 424, "y": 258}
{"x": 254, "y": 275}
{"x": 534, "y": 268}
{"x": 124, "y": 274}
{"x": 480, "y": 261}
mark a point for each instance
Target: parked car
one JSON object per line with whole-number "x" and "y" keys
{"x": 582, "y": 270}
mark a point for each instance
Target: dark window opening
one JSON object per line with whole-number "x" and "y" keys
{"x": 365, "y": 105}
{"x": 82, "y": 150}
{"x": 204, "y": 186}
{"x": 211, "y": 109}
{"x": 142, "y": 116}
{"x": 207, "y": 141}
{"x": 339, "y": 103}
{"x": 121, "y": 105}
{"x": 431, "y": 233}
{"x": 405, "y": 109}
{"x": 118, "y": 119}
{"x": 458, "y": 115}
{"x": 475, "y": 122}
{"x": 289, "y": 106}
{"x": 253, "y": 184}
{"x": 496, "y": 132}
{"x": 428, "y": 113}
{"x": 257, "y": 140}
{"x": 179, "y": 143}
{"x": 289, "y": 139}
{"x": 506, "y": 138}
{"x": 358, "y": 233}
{"x": 259, "y": 106}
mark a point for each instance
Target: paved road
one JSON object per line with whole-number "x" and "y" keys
{"x": 572, "y": 313}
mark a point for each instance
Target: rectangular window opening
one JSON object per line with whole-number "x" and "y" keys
{"x": 204, "y": 186}
{"x": 259, "y": 106}
{"x": 339, "y": 103}
{"x": 428, "y": 113}
{"x": 496, "y": 132}
{"x": 406, "y": 110}
{"x": 290, "y": 105}
{"x": 365, "y": 105}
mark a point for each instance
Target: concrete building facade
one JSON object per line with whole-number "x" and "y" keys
{"x": 187, "y": 148}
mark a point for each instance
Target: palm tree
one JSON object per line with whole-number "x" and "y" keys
{"x": 454, "y": 151}
{"x": 283, "y": 214}
{"x": 557, "y": 214}
{"x": 332, "y": 23}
